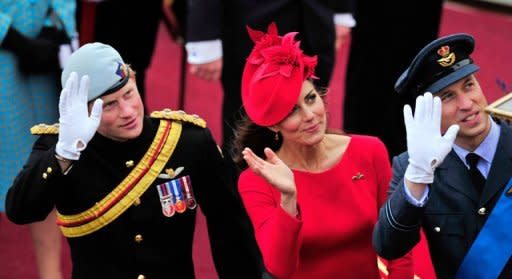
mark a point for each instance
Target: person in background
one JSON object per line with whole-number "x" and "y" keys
{"x": 453, "y": 181}
{"x": 382, "y": 45}
{"x": 217, "y": 42}
{"x": 312, "y": 195}
{"x": 35, "y": 40}
{"x": 130, "y": 27}
{"x": 126, "y": 186}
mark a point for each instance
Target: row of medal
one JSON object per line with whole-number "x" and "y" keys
{"x": 176, "y": 196}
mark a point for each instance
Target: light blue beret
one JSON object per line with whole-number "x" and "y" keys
{"x": 104, "y": 66}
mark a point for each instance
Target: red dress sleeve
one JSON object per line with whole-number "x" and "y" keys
{"x": 277, "y": 233}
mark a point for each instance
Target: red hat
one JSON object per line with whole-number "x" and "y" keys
{"x": 273, "y": 76}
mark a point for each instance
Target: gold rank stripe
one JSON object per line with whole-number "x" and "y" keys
{"x": 130, "y": 189}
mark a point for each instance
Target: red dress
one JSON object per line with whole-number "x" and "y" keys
{"x": 332, "y": 237}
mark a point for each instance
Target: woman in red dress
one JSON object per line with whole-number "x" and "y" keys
{"x": 313, "y": 196}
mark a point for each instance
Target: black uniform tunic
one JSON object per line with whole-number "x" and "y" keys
{"x": 141, "y": 241}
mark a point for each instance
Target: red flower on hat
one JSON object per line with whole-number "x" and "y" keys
{"x": 262, "y": 41}
{"x": 309, "y": 66}
{"x": 283, "y": 58}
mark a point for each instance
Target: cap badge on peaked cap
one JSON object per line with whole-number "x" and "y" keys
{"x": 447, "y": 58}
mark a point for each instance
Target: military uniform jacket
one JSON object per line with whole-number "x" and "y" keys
{"x": 453, "y": 214}
{"x": 141, "y": 241}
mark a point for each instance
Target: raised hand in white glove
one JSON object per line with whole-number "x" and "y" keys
{"x": 426, "y": 146}
{"x": 76, "y": 127}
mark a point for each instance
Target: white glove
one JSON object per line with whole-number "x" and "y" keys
{"x": 425, "y": 145}
{"x": 76, "y": 126}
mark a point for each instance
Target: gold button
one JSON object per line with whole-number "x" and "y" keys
{"x": 437, "y": 229}
{"x": 49, "y": 170}
{"x": 136, "y": 202}
{"x": 482, "y": 211}
{"x": 45, "y": 175}
{"x": 138, "y": 238}
{"x": 141, "y": 276}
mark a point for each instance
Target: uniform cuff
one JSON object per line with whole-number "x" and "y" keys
{"x": 203, "y": 51}
{"x": 345, "y": 19}
{"x": 412, "y": 200}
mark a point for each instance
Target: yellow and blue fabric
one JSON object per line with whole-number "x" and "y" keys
{"x": 492, "y": 248}
{"x": 25, "y": 100}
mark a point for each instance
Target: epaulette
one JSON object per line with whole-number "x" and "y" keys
{"x": 45, "y": 129}
{"x": 179, "y": 115}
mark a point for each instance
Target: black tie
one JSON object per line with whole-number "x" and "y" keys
{"x": 476, "y": 176}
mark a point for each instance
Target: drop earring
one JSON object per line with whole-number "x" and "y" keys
{"x": 276, "y": 136}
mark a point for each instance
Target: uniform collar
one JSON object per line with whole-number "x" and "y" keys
{"x": 486, "y": 149}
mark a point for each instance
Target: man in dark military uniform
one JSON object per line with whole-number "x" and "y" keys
{"x": 126, "y": 185}
{"x": 454, "y": 180}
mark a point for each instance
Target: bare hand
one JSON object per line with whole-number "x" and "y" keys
{"x": 208, "y": 71}
{"x": 273, "y": 170}
{"x": 342, "y": 35}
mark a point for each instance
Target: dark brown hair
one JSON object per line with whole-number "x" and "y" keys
{"x": 249, "y": 134}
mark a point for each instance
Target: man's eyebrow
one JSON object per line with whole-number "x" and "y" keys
{"x": 109, "y": 102}
{"x": 444, "y": 92}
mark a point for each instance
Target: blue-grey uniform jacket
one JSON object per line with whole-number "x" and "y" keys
{"x": 453, "y": 214}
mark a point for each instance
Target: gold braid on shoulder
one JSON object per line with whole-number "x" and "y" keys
{"x": 180, "y": 116}
{"x": 45, "y": 129}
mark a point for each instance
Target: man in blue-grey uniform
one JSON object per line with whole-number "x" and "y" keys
{"x": 454, "y": 179}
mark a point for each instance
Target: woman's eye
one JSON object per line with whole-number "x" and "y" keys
{"x": 294, "y": 110}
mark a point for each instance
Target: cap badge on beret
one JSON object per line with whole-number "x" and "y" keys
{"x": 447, "y": 58}
{"x": 121, "y": 71}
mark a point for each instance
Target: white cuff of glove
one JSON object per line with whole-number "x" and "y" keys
{"x": 419, "y": 175}
{"x": 70, "y": 153}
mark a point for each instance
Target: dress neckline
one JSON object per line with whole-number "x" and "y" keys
{"x": 339, "y": 162}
